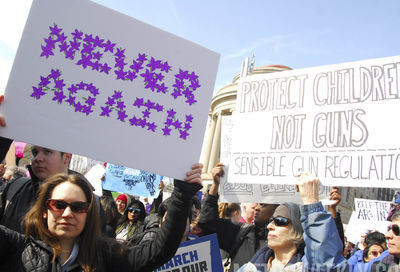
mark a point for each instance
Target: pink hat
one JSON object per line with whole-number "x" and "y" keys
{"x": 123, "y": 198}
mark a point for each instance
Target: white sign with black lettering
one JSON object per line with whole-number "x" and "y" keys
{"x": 332, "y": 121}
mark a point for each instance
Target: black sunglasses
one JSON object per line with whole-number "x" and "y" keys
{"x": 57, "y": 205}
{"x": 130, "y": 209}
{"x": 279, "y": 221}
{"x": 395, "y": 228}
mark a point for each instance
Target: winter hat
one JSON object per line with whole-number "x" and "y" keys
{"x": 123, "y": 198}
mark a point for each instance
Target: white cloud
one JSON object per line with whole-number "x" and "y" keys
{"x": 13, "y": 15}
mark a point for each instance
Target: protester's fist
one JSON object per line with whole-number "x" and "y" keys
{"x": 194, "y": 175}
{"x": 335, "y": 195}
{"x": 217, "y": 172}
{"x": 308, "y": 187}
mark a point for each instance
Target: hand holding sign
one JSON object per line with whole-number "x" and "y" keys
{"x": 336, "y": 198}
{"x": 217, "y": 173}
{"x": 2, "y": 120}
{"x": 194, "y": 175}
{"x": 308, "y": 186}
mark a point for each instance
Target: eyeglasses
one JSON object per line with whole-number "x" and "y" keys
{"x": 60, "y": 205}
{"x": 279, "y": 221}
{"x": 130, "y": 209}
{"x": 375, "y": 253}
{"x": 395, "y": 228}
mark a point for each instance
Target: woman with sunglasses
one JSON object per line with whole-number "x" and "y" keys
{"x": 391, "y": 262}
{"x": 131, "y": 222}
{"x": 63, "y": 231}
{"x": 301, "y": 238}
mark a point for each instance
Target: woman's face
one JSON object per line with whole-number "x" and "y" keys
{"x": 373, "y": 252}
{"x": 64, "y": 223}
{"x": 393, "y": 238}
{"x": 120, "y": 206}
{"x": 280, "y": 237}
{"x": 133, "y": 213}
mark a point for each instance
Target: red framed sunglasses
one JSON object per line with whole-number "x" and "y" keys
{"x": 58, "y": 205}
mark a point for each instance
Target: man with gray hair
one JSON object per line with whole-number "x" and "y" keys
{"x": 248, "y": 212}
{"x": 14, "y": 172}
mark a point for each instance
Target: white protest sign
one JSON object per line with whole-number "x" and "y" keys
{"x": 92, "y": 81}
{"x": 264, "y": 193}
{"x": 337, "y": 122}
{"x": 371, "y": 210}
{"x": 357, "y": 227}
{"x": 367, "y": 215}
{"x": 251, "y": 193}
{"x": 94, "y": 176}
{"x": 226, "y": 138}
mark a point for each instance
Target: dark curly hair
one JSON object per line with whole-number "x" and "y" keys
{"x": 136, "y": 203}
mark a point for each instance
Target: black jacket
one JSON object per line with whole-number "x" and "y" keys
{"x": 240, "y": 240}
{"x": 20, "y": 203}
{"x": 150, "y": 227}
{"x": 21, "y": 253}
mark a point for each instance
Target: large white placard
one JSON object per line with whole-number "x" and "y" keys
{"x": 92, "y": 81}
{"x": 338, "y": 122}
{"x": 251, "y": 193}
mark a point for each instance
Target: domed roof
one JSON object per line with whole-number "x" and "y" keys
{"x": 271, "y": 68}
{"x": 277, "y": 66}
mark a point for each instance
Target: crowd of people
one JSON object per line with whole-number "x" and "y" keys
{"x": 50, "y": 220}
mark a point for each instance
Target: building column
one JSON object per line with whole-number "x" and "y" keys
{"x": 210, "y": 137}
{"x": 215, "y": 144}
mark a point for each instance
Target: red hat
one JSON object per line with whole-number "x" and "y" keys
{"x": 123, "y": 198}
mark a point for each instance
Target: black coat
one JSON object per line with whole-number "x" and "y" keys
{"x": 20, "y": 203}
{"x": 240, "y": 240}
{"x": 21, "y": 253}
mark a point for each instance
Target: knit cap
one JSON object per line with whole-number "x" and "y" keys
{"x": 123, "y": 198}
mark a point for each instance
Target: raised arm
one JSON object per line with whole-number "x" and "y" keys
{"x": 324, "y": 249}
{"x": 151, "y": 255}
{"x": 209, "y": 220}
{"x": 336, "y": 197}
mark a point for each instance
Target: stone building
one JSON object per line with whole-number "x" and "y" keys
{"x": 223, "y": 104}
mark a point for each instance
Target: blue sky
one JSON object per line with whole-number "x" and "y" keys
{"x": 294, "y": 33}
